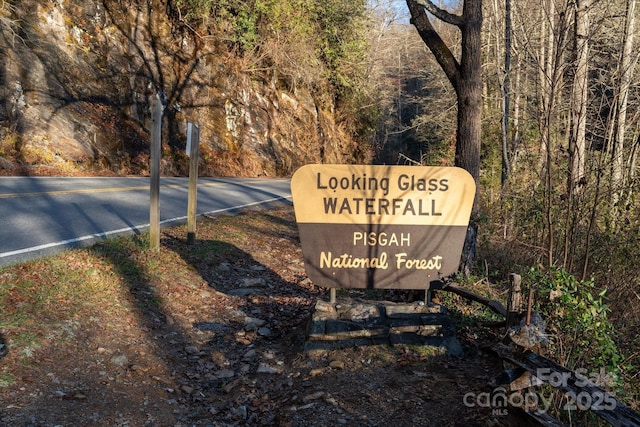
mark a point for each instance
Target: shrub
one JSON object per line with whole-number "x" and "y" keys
{"x": 576, "y": 313}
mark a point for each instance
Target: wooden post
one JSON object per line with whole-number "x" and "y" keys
{"x": 529, "y": 307}
{"x": 515, "y": 299}
{"x": 193, "y": 143}
{"x": 154, "y": 160}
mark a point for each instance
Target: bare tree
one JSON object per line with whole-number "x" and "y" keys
{"x": 504, "y": 82}
{"x": 577, "y": 141}
{"x": 466, "y": 78}
{"x": 465, "y": 75}
{"x": 579, "y": 102}
{"x": 414, "y": 98}
{"x": 627, "y": 63}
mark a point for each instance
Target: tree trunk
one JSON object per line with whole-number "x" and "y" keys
{"x": 633, "y": 160}
{"x": 544, "y": 66}
{"x": 506, "y": 94}
{"x": 469, "y": 91}
{"x": 626, "y": 68}
{"x": 578, "y": 123}
{"x": 577, "y": 141}
{"x": 466, "y": 78}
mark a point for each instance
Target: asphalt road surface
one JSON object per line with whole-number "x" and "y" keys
{"x": 44, "y": 215}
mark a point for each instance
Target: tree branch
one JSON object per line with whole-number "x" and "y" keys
{"x": 441, "y": 14}
{"x": 495, "y": 306}
{"x": 434, "y": 42}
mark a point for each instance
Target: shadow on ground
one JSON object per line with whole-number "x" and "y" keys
{"x": 205, "y": 342}
{"x": 3, "y": 347}
{"x": 213, "y": 334}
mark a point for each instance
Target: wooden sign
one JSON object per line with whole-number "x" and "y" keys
{"x": 382, "y": 227}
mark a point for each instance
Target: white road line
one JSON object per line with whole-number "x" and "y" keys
{"x": 106, "y": 234}
{"x": 96, "y": 190}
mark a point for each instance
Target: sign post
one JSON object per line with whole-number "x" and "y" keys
{"x": 193, "y": 151}
{"x": 154, "y": 159}
{"x": 381, "y": 227}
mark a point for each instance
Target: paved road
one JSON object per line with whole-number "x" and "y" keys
{"x": 44, "y": 215}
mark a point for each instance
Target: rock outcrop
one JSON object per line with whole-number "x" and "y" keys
{"x": 78, "y": 78}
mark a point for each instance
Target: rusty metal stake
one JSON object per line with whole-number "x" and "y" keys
{"x": 529, "y": 306}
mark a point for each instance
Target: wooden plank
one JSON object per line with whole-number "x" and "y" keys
{"x": 515, "y": 299}
{"x": 495, "y": 306}
{"x": 524, "y": 381}
{"x": 540, "y": 418}
{"x": 600, "y": 402}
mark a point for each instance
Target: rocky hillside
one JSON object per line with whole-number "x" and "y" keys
{"x": 78, "y": 77}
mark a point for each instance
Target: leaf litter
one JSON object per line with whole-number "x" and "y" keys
{"x": 210, "y": 334}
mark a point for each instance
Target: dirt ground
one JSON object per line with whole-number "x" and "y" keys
{"x": 225, "y": 348}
